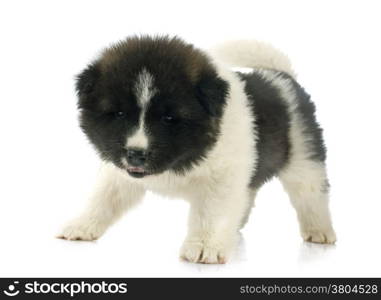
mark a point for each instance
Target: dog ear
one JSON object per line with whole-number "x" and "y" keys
{"x": 211, "y": 93}
{"x": 87, "y": 79}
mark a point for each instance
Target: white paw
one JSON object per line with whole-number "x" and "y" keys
{"x": 320, "y": 236}
{"x": 204, "y": 252}
{"x": 81, "y": 230}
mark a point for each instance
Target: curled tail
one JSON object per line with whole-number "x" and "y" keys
{"x": 252, "y": 54}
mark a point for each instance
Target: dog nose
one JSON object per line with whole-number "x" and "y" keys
{"x": 136, "y": 157}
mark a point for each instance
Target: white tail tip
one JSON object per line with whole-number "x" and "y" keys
{"x": 252, "y": 54}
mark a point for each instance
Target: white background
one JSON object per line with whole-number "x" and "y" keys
{"x": 47, "y": 167}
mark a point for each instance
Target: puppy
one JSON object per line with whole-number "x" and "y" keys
{"x": 167, "y": 117}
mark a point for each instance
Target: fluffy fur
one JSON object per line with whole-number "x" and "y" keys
{"x": 167, "y": 117}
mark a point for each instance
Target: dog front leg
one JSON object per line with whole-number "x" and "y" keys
{"x": 114, "y": 194}
{"x": 213, "y": 224}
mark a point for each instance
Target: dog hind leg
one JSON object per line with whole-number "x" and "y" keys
{"x": 307, "y": 186}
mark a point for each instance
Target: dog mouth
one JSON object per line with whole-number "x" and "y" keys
{"x": 137, "y": 172}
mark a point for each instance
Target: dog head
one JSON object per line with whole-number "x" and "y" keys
{"x": 151, "y": 104}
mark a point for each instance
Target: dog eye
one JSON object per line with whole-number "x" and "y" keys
{"x": 168, "y": 119}
{"x": 119, "y": 114}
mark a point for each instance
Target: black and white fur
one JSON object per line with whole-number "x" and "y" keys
{"x": 203, "y": 133}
